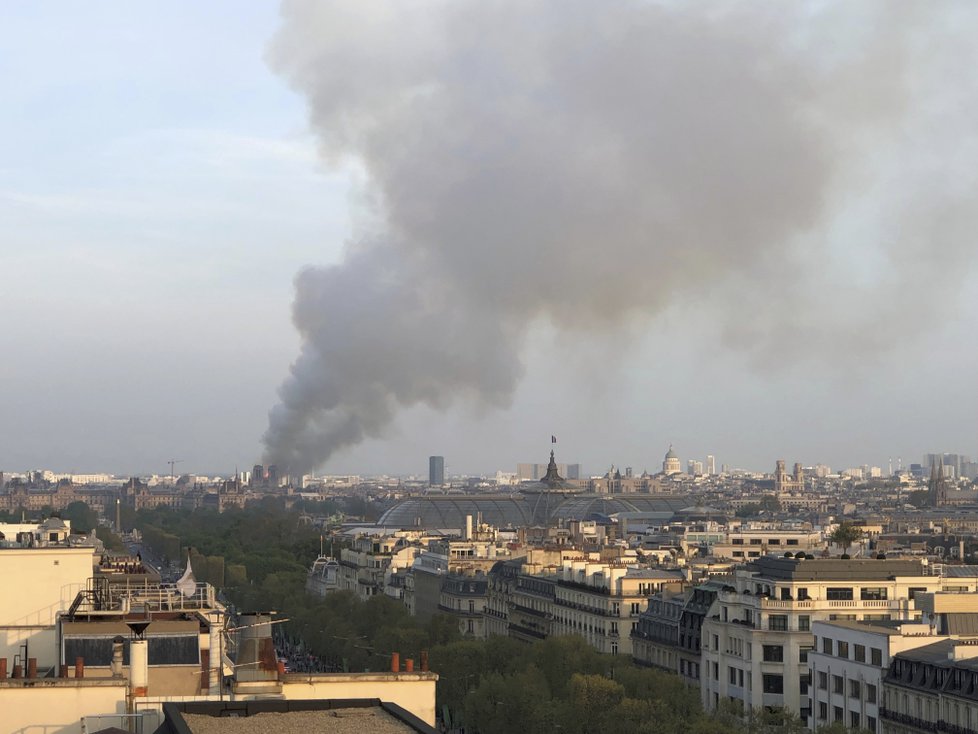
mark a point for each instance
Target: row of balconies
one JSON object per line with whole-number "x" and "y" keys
{"x": 924, "y": 724}
{"x": 582, "y": 607}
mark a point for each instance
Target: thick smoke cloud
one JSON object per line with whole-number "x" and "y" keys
{"x": 592, "y": 163}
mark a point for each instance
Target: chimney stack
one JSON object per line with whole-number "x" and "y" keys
{"x": 138, "y": 668}
{"x": 117, "y": 649}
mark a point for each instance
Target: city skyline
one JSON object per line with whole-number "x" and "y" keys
{"x": 533, "y": 471}
{"x": 163, "y": 183}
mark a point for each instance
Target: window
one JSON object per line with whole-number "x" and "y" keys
{"x": 859, "y": 653}
{"x": 773, "y": 683}
{"x": 792, "y": 541}
{"x": 738, "y": 541}
{"x": 716, "y": 643}
{"x": 870, "y": 693}
{"x": 716, "y": 671}
{"x": 871, "y": 723}
{"x": 823, "y": 680}
{"x": 773, "y": 654}
{"x": 836, "y": 713}
{"x": 738, "y": 554}
{"x": 842, "y": 649}
{"x": 872, "y": 593}
{"x": 469, "y": 628}
{"x": 837, "y": 684}
{"x": 802, "y": 593}
{"x": 804, "y": 623}
{"x": 854, "y": 689}
{"x": 827, "y": 645}
{"x": 774, "y": 541}
{"x": 839, "y": 593}
{"x": 777, "y": 622}
{"x": 914, "y": 590}
{"x": 732, "y": 676}
{"x": 803, "y": 681}
{"x": 755, "y": 541}
{"x": 823, "y": 711}
{"x": 876, "y": 656}
{"x": 803, "y": 654}
{"x": 854, "y": 719}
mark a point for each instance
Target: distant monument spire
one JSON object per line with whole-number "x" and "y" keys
{"x": 552, "y": 475}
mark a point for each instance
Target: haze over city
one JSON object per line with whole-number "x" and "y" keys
{"x": 747, "y": 232}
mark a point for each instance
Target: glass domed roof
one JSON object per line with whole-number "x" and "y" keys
{"x": 449, "y": 511}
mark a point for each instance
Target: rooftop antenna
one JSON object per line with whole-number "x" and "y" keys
{"x": 172, "y": 462}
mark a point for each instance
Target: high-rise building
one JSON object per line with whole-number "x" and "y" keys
{"x": 436, "y": 470}
{"x": 711, "y": 465}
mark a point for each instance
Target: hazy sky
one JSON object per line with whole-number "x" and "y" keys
{"x": 805, "y": 290}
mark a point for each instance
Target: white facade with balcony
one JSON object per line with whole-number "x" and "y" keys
{"x": 848, "y": 663}
{"x": 758, "y": 634}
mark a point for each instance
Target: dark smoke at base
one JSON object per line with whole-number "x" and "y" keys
{"x": 591, "y": 163}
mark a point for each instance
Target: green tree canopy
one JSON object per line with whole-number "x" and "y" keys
{"x": 845, "y": 535}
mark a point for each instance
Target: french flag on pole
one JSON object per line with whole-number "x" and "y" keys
{"x": 553, "y": 439}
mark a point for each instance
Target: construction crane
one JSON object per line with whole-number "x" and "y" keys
{"x": 172, "y": 463}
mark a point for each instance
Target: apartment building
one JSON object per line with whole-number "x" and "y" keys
{"x": 758, "y": 634}
{"x": 932, "y": 688}
{"x": 848, "y": 662}
{"x": 364, "y": 566}
{"x": 602, "y": 601}
{"x": 521, "y": 594}
{"x": 668, "y": 634}
{"x": 750, "y": 542}
{"x": 464, "y": 598}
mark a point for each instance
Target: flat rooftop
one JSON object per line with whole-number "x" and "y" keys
{"x": 834, "y": 569}
{"x": 334, "y": 721}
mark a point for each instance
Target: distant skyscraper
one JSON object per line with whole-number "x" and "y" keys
{"x": 257, "y": 475}
{"x": 711, "y": 465}
{"x": 436, "y": 470}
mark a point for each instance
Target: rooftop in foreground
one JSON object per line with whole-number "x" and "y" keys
{"x": 277, "y": 716}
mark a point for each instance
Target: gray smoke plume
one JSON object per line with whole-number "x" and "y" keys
{"x": 590, "y": 163}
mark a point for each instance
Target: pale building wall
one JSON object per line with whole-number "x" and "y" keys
{"x": 57, "y": 706}
{"x": 40, "y": 643}
{"x": 414, "y": 692}
{"x": 38, "y": 584}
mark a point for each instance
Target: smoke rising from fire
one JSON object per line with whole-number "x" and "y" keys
{"x": 589, "y": 164}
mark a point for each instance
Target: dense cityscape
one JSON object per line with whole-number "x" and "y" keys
{"x": 489, "y": 367}
{"x": 807, "y": 598}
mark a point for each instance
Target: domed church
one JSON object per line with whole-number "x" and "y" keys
{"x": 671, "y": 464}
